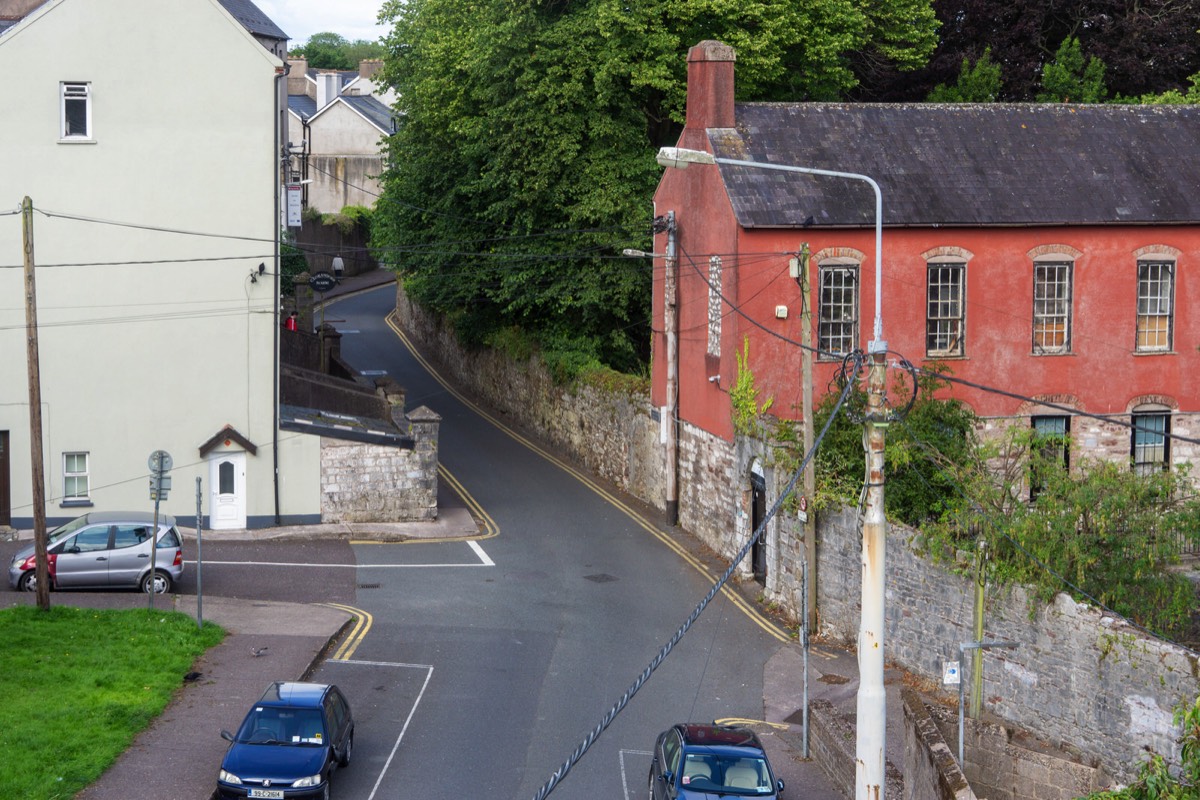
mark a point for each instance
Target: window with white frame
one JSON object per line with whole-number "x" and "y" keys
{"x": 1151, "y": 443}
{"x": 1052, "y": 306}
{"x": 945, "y": 285}
{"x": 1155, "y": 301}
{"x": 837, "y": 327}
{"x": 1052, "y": 436}
{"x": 76, "y": 111}
{"x": 75, "y": 476}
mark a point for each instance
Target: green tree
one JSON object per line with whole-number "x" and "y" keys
{"x": 1112, "y": 534}
{"x": 934, "y": 432}
{"x": 1189, "y": 96}
{"x": 525, "y": 161}
{"x": 977, "y": 83}
{"x": 1067, "y": 79}
{"x": 330, "y": 50}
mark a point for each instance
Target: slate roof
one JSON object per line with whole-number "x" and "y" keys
{"x": 253, "y": 19}
{"x": 373, "y": 109}
{"x": 244, "y": 11}
{"x": 982, "y": 164}
{"x": 302, "y": 105}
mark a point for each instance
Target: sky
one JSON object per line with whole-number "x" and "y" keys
{"x": 300, "y": 19}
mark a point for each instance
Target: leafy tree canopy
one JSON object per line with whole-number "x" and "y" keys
{"x": 977, "y": 83}
{"x": 1067, "y": 79}
{"x": 333, "y": 51}
{"x": 1148, "y": 47}
{"x": 526, "y": 158}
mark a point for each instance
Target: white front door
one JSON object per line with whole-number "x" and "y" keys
{"x": 227, "y": 491}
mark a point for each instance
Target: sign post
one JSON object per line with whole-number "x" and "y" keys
{"x": 160, "y": 463}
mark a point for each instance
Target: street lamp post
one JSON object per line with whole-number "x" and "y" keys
{"x": 872, "y": 710}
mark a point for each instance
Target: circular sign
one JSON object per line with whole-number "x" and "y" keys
{"x": 159, "y": 459}
{"x": 803, "y": 503}
{"x": 322, "y": 282}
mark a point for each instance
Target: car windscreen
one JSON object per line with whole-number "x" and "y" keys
{"x": 275, "y": 725}
{"x": 709, "y": 772}
{"x": 63, "y": 531}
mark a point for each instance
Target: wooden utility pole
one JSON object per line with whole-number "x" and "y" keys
{"x": 41, "y": 569}
{"x": 810, "y": 472}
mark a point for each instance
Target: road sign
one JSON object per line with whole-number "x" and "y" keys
{"x": 160, "y": 460}
{"x": 322, "y": 282}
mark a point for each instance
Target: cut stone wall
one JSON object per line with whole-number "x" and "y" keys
{"x": 614, "y": 434}
{"x": 930, "y": 767}
{"x": 373, "y": 483}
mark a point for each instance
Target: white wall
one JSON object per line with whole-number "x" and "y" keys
{"x": 141, "y": 349}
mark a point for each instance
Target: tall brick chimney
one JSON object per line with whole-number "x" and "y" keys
{"x": 710, "y": 86}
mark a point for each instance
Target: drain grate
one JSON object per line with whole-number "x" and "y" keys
{"x": 368, "y": 586}
{"x": 600, "y": 578}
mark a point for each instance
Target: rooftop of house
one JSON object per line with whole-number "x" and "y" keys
{"x": 374, "y": 110}
{"x": 244, "y": 11}
{"x": 964, "y": 164}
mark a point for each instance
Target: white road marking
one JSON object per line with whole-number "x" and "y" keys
{"x": 621, "y": 756}
{"x": 404, "y": 729}
{"x": 484, "y": 561}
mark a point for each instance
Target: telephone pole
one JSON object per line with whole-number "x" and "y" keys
{"x": 41, "y": 569}
{"x": 803, "y": 277}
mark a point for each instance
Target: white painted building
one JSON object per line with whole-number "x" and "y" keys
{"x": 154, "y": 233}
{"x": 337, "y": 122}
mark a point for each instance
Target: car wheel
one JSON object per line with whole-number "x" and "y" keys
{"x": 345, "y": 759}
{"x": 159, "y": 582}
{"x": 28, "y": 581}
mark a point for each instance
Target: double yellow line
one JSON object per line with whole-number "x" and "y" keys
{"x": 738, "y": 601}
{"x": 362, "y": 624}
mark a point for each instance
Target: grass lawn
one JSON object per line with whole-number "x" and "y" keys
{"x": 79, "y": 684}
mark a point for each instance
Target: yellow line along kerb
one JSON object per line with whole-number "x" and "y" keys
{"x": 362, "y": 625}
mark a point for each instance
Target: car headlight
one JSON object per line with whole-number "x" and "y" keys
{"x": 311, "y": 780}
{"x": 228, "y": 777}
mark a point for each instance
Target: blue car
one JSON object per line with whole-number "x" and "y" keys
{"x": 289, "y": 745}
{"x": 693, "y": 761}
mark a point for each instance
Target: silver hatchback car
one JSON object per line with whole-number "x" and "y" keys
{"x": 105, "y": 549}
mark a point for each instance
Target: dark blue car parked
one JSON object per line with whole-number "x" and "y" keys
{"x": 289, "y": 745}
{"x": 698, "y": 762}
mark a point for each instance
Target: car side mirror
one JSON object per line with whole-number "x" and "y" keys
{"x": 779, "y": 784}
{"x": 229, "y": 736}
{"x": 667, "y": 777}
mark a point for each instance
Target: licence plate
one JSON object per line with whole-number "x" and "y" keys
{"x": 269, "y": 794}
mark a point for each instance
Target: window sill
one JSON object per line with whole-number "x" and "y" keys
{"x": 76, "y": 140}
{"x": 82, "y": 502}
{"x": 1137, "y": 353}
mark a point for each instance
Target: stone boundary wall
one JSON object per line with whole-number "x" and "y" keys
{"x": 616, "y": 436}
{"x": 833, "y": 746}
{"x": 373, "y": 483}
{"x": 1001, "y": 766}
{"x": 1077, "y": 677}
{"x": 930, "y": 768}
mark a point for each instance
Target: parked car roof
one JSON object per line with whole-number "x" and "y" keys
{"x": 129, "y": 516}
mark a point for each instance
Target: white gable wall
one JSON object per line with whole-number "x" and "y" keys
{"x": 138, "y": 352}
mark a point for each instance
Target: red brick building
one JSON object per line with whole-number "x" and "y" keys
{"x": 1049, "y": 251}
